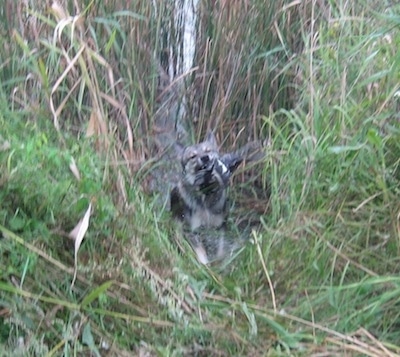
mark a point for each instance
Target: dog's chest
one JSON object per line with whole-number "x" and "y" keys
{"x": 205, "y": 218}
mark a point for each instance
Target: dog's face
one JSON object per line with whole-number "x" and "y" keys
{"x": 198, "y": 161}
{"x": 203, "y": 166}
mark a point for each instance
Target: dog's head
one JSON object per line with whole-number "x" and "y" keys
{"x": 202, "y": 164}
{"x": 199, "y": 160}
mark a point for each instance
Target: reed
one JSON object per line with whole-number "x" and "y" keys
{"x": 86, "y": 87}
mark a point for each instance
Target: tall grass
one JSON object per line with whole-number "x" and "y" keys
{"x": 95, "y": 83}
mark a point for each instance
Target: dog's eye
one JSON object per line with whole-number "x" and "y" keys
{"x": 193, "y": 154}
{"x": 189, "y": 155}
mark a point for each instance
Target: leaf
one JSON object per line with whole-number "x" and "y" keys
{"x": 94, "y": 294}
{"x": 251, "y": 318}
{"x": 374, "y": 138}
{"x": 92, "y": 128}
{"x": 87, "y": 339}
{"x": 58, "y": 11}
{"x": 77, "y": 234}
{"x": 284, "y": 335}
{"x": 74, "y": 169}
{"x": 17, "y": 223}
{"x": 344, "y": 148}
{"x": 96, "y": 125}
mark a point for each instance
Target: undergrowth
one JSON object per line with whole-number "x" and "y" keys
{"x": 83, "y": 95}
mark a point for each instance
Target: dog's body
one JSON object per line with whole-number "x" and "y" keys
{"x": 200, "y": 199}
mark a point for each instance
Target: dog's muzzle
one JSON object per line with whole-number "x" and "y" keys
{"x": 206, "y": 163}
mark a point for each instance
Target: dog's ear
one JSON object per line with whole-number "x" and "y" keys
{"x": 211, "y": 140}
{"x": 179, "y": 148}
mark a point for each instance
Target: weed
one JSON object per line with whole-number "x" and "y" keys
{"x": 86, "y": 93}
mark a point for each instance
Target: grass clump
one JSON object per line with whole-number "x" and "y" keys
{"x": 85, "y": 94}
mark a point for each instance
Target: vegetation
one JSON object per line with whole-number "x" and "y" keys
{"x": 82, "y": 90}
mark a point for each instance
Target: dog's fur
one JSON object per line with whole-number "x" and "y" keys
{"x": 200, "y": 199}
